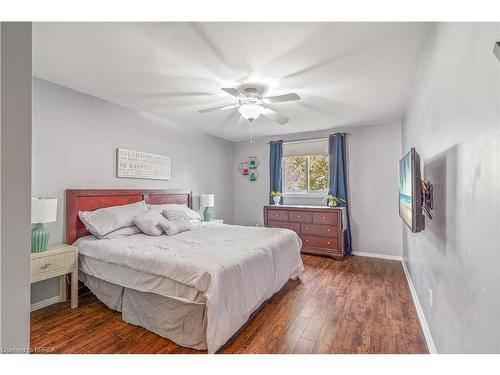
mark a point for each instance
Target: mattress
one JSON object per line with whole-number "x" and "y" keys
{"x": 233, "y": 269}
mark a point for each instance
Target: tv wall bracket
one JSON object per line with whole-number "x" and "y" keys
{"x": 427, "y": 197}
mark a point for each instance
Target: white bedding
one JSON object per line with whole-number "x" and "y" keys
{"x": 235, "y": 268}
{"x": 138, "y": 280}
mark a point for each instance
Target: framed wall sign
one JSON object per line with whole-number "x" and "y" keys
{"x": 137, "y": 164}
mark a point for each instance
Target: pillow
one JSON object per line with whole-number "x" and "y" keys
{"x": 174, "y": 214}
{"x": 150, "y": 222}
{"x": 106, "y": 220}
{"x": 123, "y": 232}
{"x": 172, "y": 227}
{"x": 181, "y": 207}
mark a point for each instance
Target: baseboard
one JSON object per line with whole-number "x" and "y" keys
{"x": 420, "y": 312}
{"x": 45, "y": 303}
{"x": 377, "y": 255}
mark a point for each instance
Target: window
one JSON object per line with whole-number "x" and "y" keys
{"x": 305, "y": 167}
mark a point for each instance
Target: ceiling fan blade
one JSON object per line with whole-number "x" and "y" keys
{"x": 231, "y": 91}
{"x": 282, "y": 98}
{"x": 275, "y": 116}
{"x": 221, "y": 108}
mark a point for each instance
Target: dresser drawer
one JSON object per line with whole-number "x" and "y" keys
{"x": 277, "y": 215}
{"x": 319, "y": 230}
{"x": 58, "y": 263}
{"x": 300, "y": 216}
{"x": 321, "y": 242}
{"x": 326, "y": 218}
{"x": 279, "y": 224}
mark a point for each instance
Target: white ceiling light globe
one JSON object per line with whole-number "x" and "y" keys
{"x": 250, "y": 111}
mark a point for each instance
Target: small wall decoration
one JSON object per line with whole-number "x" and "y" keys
{"x": 137, "y": 164}
{"x": 250, "y": 167}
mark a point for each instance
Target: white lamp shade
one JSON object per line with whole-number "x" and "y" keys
{"x": 207, "y": 200}
{"x": 43, "y": 210}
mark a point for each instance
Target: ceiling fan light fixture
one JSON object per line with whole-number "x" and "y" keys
{"x": 250, "y": 111}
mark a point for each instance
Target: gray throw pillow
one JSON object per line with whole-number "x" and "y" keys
{"x": 150, "y": 223}
{"x": 172, "y": 227}
{"x": 174, "y": 214}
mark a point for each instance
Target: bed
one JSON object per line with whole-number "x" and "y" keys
{"x": 197, "y": 288}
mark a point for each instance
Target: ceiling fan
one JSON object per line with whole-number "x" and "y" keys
{"x": 252, "y": 102}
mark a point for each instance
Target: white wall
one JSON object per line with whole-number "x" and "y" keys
{"x": 74, "y": 142}
{"x": 373, "y": 153}
{"x": 453, "y": 121}
{"x": 15, "y": 136}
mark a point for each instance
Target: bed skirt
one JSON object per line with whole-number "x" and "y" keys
{"x": 185, "y": 323}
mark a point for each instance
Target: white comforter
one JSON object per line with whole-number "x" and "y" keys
{"x": 236, "y": 268}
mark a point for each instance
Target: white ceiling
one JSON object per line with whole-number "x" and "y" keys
{"x": 346, "y": 73}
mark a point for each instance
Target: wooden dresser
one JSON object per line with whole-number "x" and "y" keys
{"x": 320, "y": 228}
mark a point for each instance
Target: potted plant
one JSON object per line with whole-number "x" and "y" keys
{"x": 335, "y": 201}
{"x": 276, "y": 197}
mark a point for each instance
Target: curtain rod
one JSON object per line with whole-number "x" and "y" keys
{"x": 308, "y": 140}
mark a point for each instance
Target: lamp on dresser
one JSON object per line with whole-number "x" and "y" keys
{"x": 43, "y": 210}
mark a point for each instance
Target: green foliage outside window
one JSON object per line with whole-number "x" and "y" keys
{"x": 305, "y": 173}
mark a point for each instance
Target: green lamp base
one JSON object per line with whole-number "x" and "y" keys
{"x": 208, "y": 214}
{"x": 39, "y": 238}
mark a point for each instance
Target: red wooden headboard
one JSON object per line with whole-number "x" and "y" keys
{"x": 90, "y": 200}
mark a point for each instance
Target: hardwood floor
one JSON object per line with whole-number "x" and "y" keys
{"x": 359, "y": 305}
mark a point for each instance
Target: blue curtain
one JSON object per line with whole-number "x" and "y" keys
{"x": 337, "y": 151}
{"x": 275, "y": 157}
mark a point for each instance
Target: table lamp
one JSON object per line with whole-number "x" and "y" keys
{"x": 43, "y": 210}
{"x": 207, "y": 201}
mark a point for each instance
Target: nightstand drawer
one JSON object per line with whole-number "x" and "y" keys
{"x": 60, "y": 263}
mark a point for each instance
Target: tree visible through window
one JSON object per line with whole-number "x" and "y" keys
{"x": 308, "y": 173}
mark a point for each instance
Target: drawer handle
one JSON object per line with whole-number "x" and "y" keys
{"x": 307, "y": 228}
{"x": 307, "y": 240}
{"x": 291, "y": 228}
{"x": 328, "y": 242}
{"x": 277, "y": 215}
{"x": 324, "y": 217}
{"x": 46, "y": 265}
{"x": 328, "y": 230}
{"x": 274, "y": 226}
{"x": 300, "y": 216}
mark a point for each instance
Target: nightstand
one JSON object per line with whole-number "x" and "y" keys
{"x": 57, "y": 261}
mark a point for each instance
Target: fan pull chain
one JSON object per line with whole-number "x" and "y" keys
{"x": 251, "y": 131}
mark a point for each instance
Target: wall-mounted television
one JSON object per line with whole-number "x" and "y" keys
{"x": 410, "y": 192}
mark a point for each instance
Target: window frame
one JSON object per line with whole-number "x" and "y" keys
{"x": 308, "y": 192}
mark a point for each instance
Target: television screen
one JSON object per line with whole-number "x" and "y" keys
{"x": 410, "y": 195}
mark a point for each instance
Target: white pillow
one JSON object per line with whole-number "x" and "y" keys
{"x": 106, "y": 220}
{"x": 123, "y": 232}
{"x": 172, "y": 227}
{"x": 162, "y": 207}
{"x": 174, "y": 214}
{"x": 150, "y": 222}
